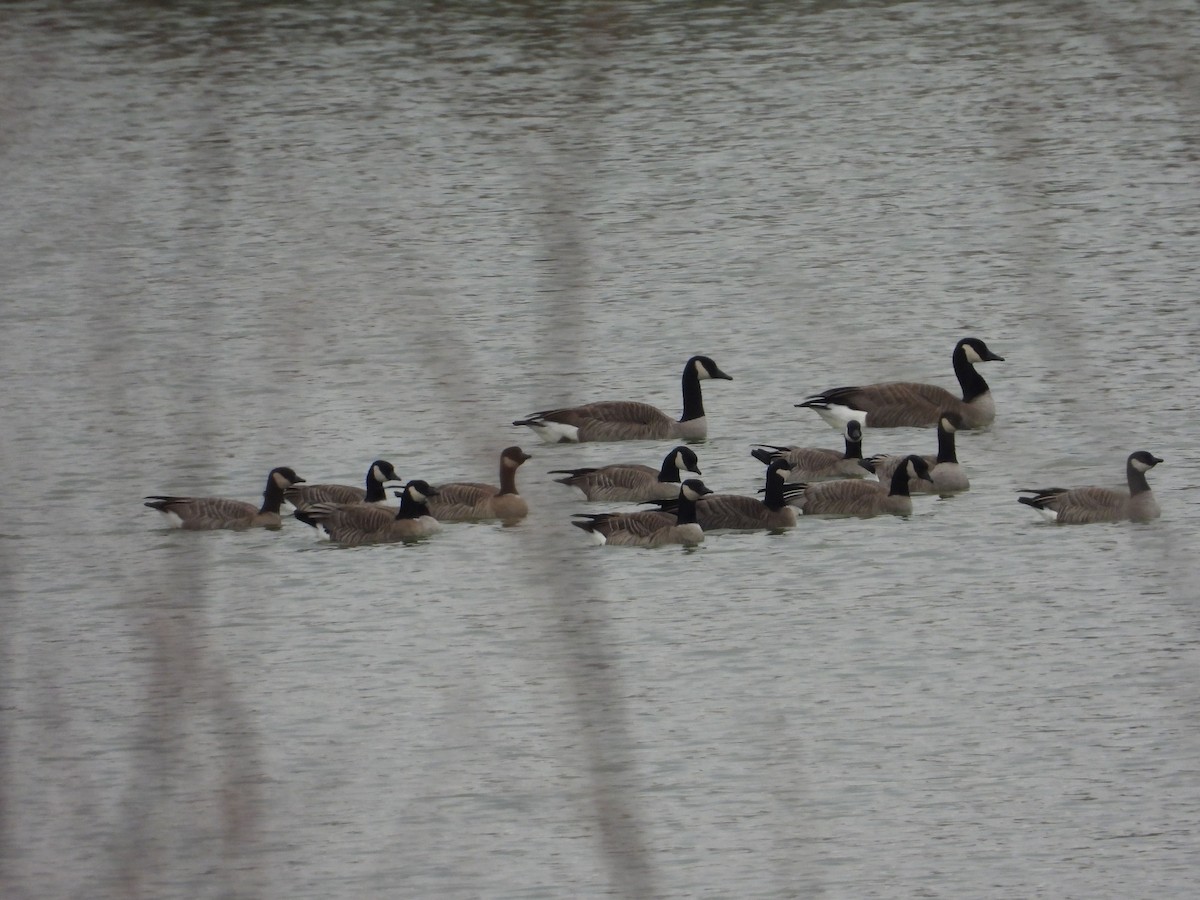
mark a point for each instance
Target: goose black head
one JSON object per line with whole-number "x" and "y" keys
{"x": 976, "y": 351}
{"x": 706, "y": 368}
{"x": 1143, "y": 460}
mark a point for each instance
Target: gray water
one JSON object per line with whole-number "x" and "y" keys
{"x": 236, "y": 236}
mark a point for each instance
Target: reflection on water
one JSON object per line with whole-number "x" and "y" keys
{"x": 242, "y": 235}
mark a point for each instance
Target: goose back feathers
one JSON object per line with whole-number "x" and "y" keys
{"x": 466, "y": 501}
{"x": 625, "y": 420}
{"x": 893, "y": 404}
{"x": 215, "y": 513}
{"x": 1083, "y": 505}
{"x": 633, "y": 482}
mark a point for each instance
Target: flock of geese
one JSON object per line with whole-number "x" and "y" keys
{"x": 799, "y": 481}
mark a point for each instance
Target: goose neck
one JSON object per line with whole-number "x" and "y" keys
{"x": 969, "y": 379}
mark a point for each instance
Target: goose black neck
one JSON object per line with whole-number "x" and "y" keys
{"x": 969, "y": 379}
{"x": 773, "y": 495}
{"x": 411, "y": 508}
{"x": 693, "y": 401}
{"x": 375, "y": 491}
{"x": 1137, "y": 480}
{"x": 272, "y": 497}
{"x": 669, "y": 471}
{"x": 685, "y": 510}
{"x": 946, "y": 452}
{"x": 853, "y": 449}
{"x": 899, "y": 485}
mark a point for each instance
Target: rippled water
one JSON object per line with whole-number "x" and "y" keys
{"x": 240, "y": 237}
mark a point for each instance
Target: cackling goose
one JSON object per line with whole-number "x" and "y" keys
{"x": 860, "y": 498}
{"x": 818, "y": 463}
{"x": 379, "y": 473}
{"x": 465, "y": 501}
{"x": 627, "y": 420}
{"x": 893, "y": 404}
{"x": 1076, "y": 506}
{"x": 633, "y": 482}
{"x": 363, "y": 523}
{"x": 213, "y": 513}
{"x": 650, "y": 528}
{"x": 948, "y": 475}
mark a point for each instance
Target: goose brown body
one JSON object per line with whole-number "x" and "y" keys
{"x": 894, "y": 404}
{"x": 1084, "y": 505}
{"x": 464, "y": 501}
{"x": 625, "y": 420}
{"x": 861, "y": 499}
{"x": 819, "y": 463}
{"x": 633, "y": 482}
{"x": 219, "y": 513}
{"x": 651, "y": 528}
{"x": 359, "y": 524}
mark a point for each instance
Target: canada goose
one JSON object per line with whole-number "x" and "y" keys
{"x": 895, "y": 404}
{"x": 633, "y": 482}
{"x": 363, "y": 523}
{"x": 859, "y": 498}
{"x": 1075, "y": 506}
{"x": 651, "y": 528}
{"x": 213, "y": 513}
{"x": 380, "y": 471}
{"x": 948, "y": 475}
{"x": 818, "y": 463}
{"x": 464, "y": 501}
{"x": 628, "y": 420}
{"x": 735, "y": 512}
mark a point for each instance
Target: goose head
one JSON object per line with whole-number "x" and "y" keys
{"x": 976, "y": 351}
{"x": 706, "y": 368}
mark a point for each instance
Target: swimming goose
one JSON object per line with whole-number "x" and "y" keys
{"x": 893, "y": 404}
{"x": 651, "y": 528}
{"x": 860, "y": 498}
{"x": 1075, "y": 506}
{"x": 633, "y": 482}
{"x": 380, "y": 471}
{"x": 948, "y": 476}
{"x": 359, "y": 524}
{"x": 818, "y": 463}
{"x": 628, "y": 420}
{"x": 735, "y": 512}
{"x": 213, "y": 513}
{"x": 465, "y": 501}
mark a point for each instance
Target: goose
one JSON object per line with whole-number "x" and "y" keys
{"x": 633, "y": 482}
{"x": 465, "y": 501}
{"x": 214, "y": 513}
{"x": 860, "y": 498}
{"x": 735, "y": 512}
{"x": 360, "y": 524}
{"x": 651, "y": 528}
{"x": 380, "y": 471}
{"x": 629, "y": 420}
{"x": 818, "y": 463}
{"x": 948, "y": 475}
{"x": 1075, "y": 506}
{"x": 897, "y": 404}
